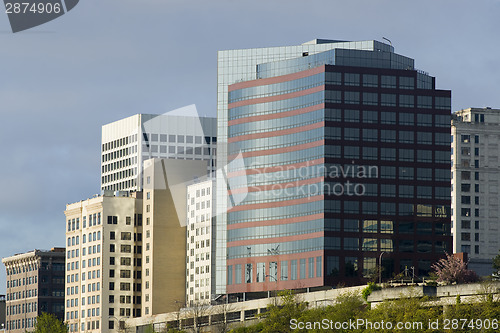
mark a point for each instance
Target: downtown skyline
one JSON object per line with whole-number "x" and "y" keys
{"x": 64, "y": 80}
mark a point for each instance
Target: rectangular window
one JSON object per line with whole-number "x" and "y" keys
{"x": 351, "y": 116}
{"x": 388, "y": 100}
{"x": 302, "y": 270}
{"x": 261, "y": 272}
{"x": 284, "y": 270}
{"x": 388, "y": 117}
{"x": 126, "y": 236}
{"x": 230, "y": 275}
{"x": 294, "y": 270}
{"x": 310, "y": 268}
{"x": 318, "y": 266}
{"x": 248, "y": 273}
{"x": 424, "y": 138}
{"x": 388, "y": 136}
{"x": 388, "y": 172}
{"x": 370, "y": 153}
{"x": 273, "y": 271}
{"x": 370, "y": 135}
{"x": 407, "y": 155}
{"x": 369, "y": 244}
{"x": 370, "y": 117}
{"x": 406, "y": 101}
{"x": 351, "y": 134}
{"x": 388, "y": 154}
{"x": 351, "y": 79}
{"x": 370, "y": 80}
{"x": 351, "y": 266}
{"x": 351, "y": 97}
{"x": 406, "y": 119}
{"x": 351, "y": 243}
{"x": 406, "y": 137}
{"x": 332, "y": 266}
{"x": 237, "y": 274}
{"x": 370, "y": 226}
{"x": 388, "y": 81}
{"x": 370, "y": 98}
{"x": 424, "y": 102}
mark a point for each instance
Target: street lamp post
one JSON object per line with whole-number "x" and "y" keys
{"x": 380, "y": 268}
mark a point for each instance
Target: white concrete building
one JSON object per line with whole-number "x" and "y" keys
{"x": 104, "y": 252}
{"x": 128, "y": 142}
{"x": 475, "y": 185}
{"x": 200, "y": 235}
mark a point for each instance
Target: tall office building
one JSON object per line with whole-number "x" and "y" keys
{"x": 128, "y": 142}
{"x": 35, "y": 284}
{"x": 103, "y": 262}
{"x": 2, "y": 312}
{"x": 346, "y": 155}
{"x": 199, "y": 250}
{"x": 164, "y": 233}
{"x": 476, "y": 185}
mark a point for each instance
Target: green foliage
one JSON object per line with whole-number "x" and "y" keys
{"x": 409, "y": 308}
{"x": 48, "y": 323}
{"x": 372, "y": 286}
{"x": 496, "y": 264}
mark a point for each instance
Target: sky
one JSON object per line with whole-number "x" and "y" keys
{"x": 110, "y": 59}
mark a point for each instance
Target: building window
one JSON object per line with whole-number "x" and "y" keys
{"x": 293, "y": 269}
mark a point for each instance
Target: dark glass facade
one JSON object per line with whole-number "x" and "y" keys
{"x": 342, "y": 164}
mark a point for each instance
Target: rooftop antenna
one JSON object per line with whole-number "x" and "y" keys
{"x": 387, "y": 39}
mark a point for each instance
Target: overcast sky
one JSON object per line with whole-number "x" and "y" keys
{"x": 109, "y": 59}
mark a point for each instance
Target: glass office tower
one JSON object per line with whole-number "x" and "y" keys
{"x": 346, "y": 160}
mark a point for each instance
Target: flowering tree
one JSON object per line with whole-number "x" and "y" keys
{"x": 454, "y": 270}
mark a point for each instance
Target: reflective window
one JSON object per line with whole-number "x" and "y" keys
{"x": 351, "y": 266}
{"x": 388, "y": 117}
{"x": 370, "y": 153}
{"x": 370, "y": 98}
{"x": 388, "y": 99}
{"x": 370, "y": 244}
{"x": 405, "y": 209}
{"x": 406, "y": 191}
{"x": 351, "y": 152}
{"x": 406, "y": 101}
{"x": 406, "y": 155}
{"x": 351, "y": 207}
{"x": 406, "y": 82}
{"x": 387, "y": 208}
{"x": 332, "y": 266}
{"x": 424, "y": 102}
{"x": 388, "y": 81}
{"x": 370, "y": 80}
{"x": 388, "y": 135}
{"x": 370, "y": 226}
{"x": 370, "y": 117}
{"x": 388, "y": 154}
{"x": 351, "y": 116}
{"x": 424, "y": 120}
{"x": 405, "y": 173}
{"x": 388, "y": 172}
{"x": 351, "y": 79}
{"x": 351, "y": 225}
{"x": 351, "y": 97}
{"x": 370, "y": 135}
{"x": 406, "y": 119}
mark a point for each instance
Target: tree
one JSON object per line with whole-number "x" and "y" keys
{"x": 496, "y": 265}
{"x": 48, "y": 323}
{"x": 454, "y": 270}
{"x": 199, "y": 312}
